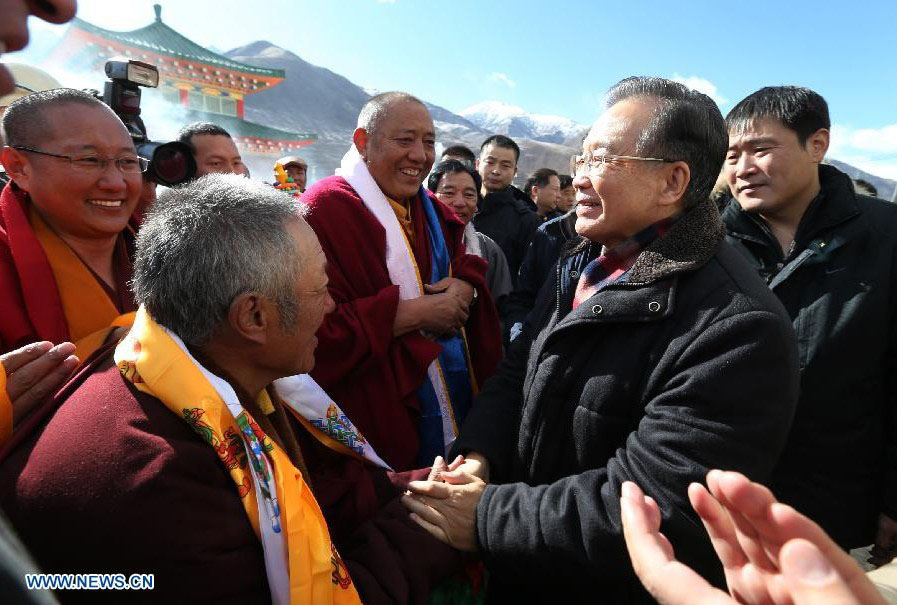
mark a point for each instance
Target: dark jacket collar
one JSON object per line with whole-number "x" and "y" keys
{"x": 688, "y": 245}
{"x": 835, "y": 204}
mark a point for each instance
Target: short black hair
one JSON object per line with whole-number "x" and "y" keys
{"x": 540, "y": 178}
{"x": 686, "y": 125}
{"x": 797, "y": 108}
{"x": 186, "y": 134}
{"x": 462, "y": 151}
{"x": 23, "y": 123}
{"x": 500, "y": 140}
{"x": 566, "y": 180}
{"x": 450, "y": 167}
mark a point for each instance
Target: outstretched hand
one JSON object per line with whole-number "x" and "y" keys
{"x": 770, "y": 553}
{"x": 34, "y": 373}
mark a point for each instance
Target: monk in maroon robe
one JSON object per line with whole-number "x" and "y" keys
{"x": 64, "y": 244}
{"x": 374, "y": 349}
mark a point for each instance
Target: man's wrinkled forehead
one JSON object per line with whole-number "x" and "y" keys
{"x": 405, "y": 116}
{"x": 619, "y": 128}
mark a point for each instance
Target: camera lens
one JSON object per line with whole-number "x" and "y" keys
{"x": 170, "y": 163}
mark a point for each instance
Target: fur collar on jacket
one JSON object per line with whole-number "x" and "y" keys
{"x": 688, "y": 245}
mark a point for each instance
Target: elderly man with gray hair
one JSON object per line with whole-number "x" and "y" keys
{"x": 194, "y": 449}
{"x": 654, "y": 354}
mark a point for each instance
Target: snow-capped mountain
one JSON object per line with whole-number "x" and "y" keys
{"x": 516, "y": 122}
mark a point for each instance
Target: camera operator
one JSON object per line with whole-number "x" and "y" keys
{"x": 65, "y": 246}
{"x": 213, "y": 149}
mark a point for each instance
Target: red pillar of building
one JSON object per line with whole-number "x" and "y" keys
{"x": 240, "y": 108}
{"x": 183, "y": 97}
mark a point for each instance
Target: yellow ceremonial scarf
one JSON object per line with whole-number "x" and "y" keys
{"x": 88, "y": 311}
{"x": 156, "y": 365}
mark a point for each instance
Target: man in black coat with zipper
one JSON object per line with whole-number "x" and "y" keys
{"x": 830, "y": 256}
{"x": 501, "y": 215}
{"x": 655, "y": 354}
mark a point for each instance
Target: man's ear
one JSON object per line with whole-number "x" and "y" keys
{"x": 817, "y": 144}
{"x": 533, "y": 192}
{"x": 676, "y": 178}
{"x": 250, "y": 315}
{"x": 17, "y": 167}
{"x": 360, "y": 138}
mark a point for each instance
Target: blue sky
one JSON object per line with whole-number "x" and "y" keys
{"x": 559, "y": 57}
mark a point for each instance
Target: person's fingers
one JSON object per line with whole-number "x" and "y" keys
{"x": 459, "y": 477}
{"x": 431, "y": 489}
{"x": 437, "y": 469}
{"x": 23, "y": 401}
{"x": 653, "y": 511}
{"x": 42, "y": 373}
{"x": 434, "y": 530}
{"x": 425, "y": 511}
{"x": 812, "y": 578}
{"x": 458, "y": 461}
{"x": 27, "y": 375}
{"x": 792, "y": 523}
{"x": 668, "y": 581}
{"x": 718, "y": 524}
{"x": 14, "y": 360}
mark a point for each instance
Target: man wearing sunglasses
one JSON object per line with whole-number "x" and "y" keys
{"x": 64, "y": 246}
{"x": 655, "y": 354}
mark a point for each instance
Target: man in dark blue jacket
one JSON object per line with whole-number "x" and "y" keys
{"x": 830, "y": 256}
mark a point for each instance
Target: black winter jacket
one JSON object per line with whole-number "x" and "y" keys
{"x": 541, "y": 257}
{"x": 509, "y": 223}
{"x": 685, "y": 364}
{"x": 839, "y": 286}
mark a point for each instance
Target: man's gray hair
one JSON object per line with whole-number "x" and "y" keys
{"x": 208, "y": 241}
{"x": 687, "y": 125}
{"x": 373, "y": 111}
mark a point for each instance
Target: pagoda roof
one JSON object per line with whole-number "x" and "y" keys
{"x": 161, "y": 39}
{"x": 237, "y": 127}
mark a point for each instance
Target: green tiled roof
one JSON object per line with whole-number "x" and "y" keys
{"x": 241, "y": 128}
{"x": 159, "y": 38}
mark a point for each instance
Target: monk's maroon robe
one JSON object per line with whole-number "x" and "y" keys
{"x": 371, "y": 374}
{"x": 106, "y": 479}
{"x": 30, "y": 306}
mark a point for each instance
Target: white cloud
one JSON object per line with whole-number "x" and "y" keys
{"x": 874, "y": 140}
{"x": 873, "y": 150}
{"x": 702, "y": 85}
{"x": 497, "y": 77}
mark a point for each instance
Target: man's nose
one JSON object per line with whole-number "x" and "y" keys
{"x": 745, "y": 165}
{"x": 581, "y": 180}
{"x": 112, "y": 177}
{"x": 417, "y": 152}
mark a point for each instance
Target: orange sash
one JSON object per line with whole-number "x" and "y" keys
{"x": 89, "y": 313}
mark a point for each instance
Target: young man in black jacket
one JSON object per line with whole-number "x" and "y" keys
{"x": 501, "y": 215}
{"x": 830, "y": 256}
{"x": 657, "y": 354}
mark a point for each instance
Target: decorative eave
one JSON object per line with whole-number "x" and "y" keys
{"x": 177, "y": 57}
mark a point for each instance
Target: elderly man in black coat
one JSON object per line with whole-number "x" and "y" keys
{"x": 655, "y": 354}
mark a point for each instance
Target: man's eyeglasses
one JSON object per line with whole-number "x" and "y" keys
{"x": 596, "y": 161}
{"x": 128, "y": 164}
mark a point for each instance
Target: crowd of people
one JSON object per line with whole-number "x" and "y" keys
{"x": 418, "y": 383}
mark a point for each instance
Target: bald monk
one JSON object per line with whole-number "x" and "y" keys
{"x": 65, "y": 248}
{"x": 415, "y": 330}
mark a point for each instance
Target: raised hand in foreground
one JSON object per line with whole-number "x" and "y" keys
{"x": 770, "y": 552}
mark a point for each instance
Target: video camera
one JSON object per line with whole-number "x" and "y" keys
{"x": 170, "y": 163}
